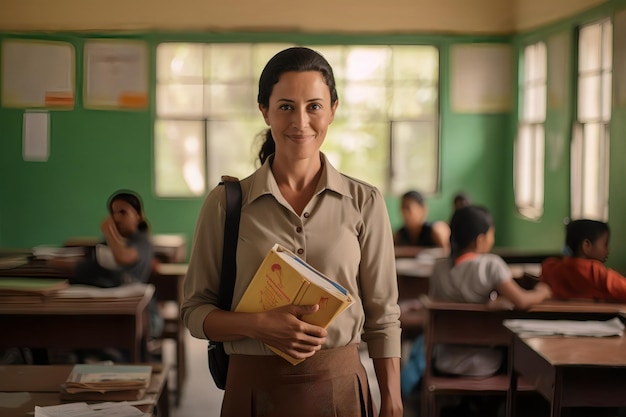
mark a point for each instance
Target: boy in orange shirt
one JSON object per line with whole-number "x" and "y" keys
{"x": 583, "y": 275}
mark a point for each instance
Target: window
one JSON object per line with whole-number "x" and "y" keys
{"x": 530, "y": 142}
{"x": 590, "y": 142}
{"x": 385, "y": 131}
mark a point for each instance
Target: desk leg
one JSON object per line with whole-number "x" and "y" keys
{"x": 511, "y": 394}
{"x": 557, "y": 393}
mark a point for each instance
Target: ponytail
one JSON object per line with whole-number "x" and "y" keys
{"x": 268, "y": 147}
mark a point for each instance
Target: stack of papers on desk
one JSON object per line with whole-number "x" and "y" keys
{"x": 590, "y": 328}
{"x": 94, "y": 410}
{"x": 106, "y": 382}
{"x": 136, "y": 289}
{"x": 49, "y": 252}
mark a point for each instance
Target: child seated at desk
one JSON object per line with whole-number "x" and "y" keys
{"x": 470, "y": 275}
{"x": 582, "y": 274}
{"x": 125, "y": 256}
{"x": 416, "y": 231}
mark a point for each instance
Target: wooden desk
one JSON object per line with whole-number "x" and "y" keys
{"x": 524, "y": 256}
{"x": 42, "y": 384}
{"x": 481, "y": 325}
{"x": 36, "y": 268}
{"x": 572, "y": 371}
{"x": 74, "y": 323}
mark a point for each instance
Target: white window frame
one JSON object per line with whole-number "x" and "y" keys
{"x": 529, "y": 152}
{"x": 591, "y": 132}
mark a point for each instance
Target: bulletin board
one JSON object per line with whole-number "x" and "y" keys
{"x": 481, "y": 78}
{"x": 116, "y": 74}
{"x": 37, "y": 74}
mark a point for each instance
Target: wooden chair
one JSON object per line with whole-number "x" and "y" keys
{"x": 466, "y": 324}
{"x": 168, "y": 281}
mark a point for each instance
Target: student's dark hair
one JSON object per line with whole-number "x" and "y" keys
{"x": 415, "y": 196}
{"x": 298, "y": 59}
{"x": 134, "y": 200}
{"x": 577, "y": 231}
{"x": 462, "y": 196}
{"x": 466, "y": 224}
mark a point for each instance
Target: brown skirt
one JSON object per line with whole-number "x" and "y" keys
{"x": 333, "y": 382}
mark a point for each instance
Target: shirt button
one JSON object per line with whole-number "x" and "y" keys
{"x": 299, "y": 229}
{"x": 306, "y": 215}
{"x": 300, "y": 251}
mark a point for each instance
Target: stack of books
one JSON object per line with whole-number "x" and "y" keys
{"x": 106, "y": 383}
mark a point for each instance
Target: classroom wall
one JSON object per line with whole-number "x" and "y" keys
{"x": 529, "y": 14}
{"x": 371, "y": 16}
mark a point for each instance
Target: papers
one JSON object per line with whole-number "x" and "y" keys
{"x": 87, "y": 291}
{"x": 94, "y": 410}
{"x": 528, "y": 328}
{"x": 49, "y": 252}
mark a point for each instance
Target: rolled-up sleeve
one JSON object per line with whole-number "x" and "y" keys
{"x": 202, "y": 281}
{"x": 378, "y": 281}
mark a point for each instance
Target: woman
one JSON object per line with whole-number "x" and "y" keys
{"x": 337, "y": 224}
{"x": 416, "y": 230}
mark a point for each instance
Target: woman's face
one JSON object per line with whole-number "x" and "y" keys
{"x": 125, "y": 217}
{"x": 299, "y": 113}
{"x": 413, "y": 213}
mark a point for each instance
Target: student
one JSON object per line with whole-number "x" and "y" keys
{"x": 471, "y": 275}
{"x": 583, "y": 274}
{"x": 125, "y": 256}
{"x": 416, "y": 231}
{"x": 337, "y": 224}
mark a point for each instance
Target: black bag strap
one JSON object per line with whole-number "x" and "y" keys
{"x": 232, "y": 187}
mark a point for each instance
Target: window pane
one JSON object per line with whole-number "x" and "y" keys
{"x": 177, "y": 100}
{"x": 535, "y": 103}
{"x": 577, "y": 171}
{"x": 607, "y": 45}
{"x": 231, "y": 99}
{"x": 412, "y": 100}
{"x": 541, "y": 67}
{"x": 530, "y": 63}
{"x": 367, "y": 63}
{"x": 415, "y": 155}
{"x": 179, "y": 62}
{"x": 415, "y": 63}
{"x": 232, "y": 147}
{"x": 360, "y": 148}
{"x": 538, "y": 163}
{"x": 589, "y": 98}
{"x": 523, "y": 166}
{"x": 591, "y": 170}
{"x": 606, "y": 97}
{"x": 179, "y": 158}
{"x": 589, "y": 51}
{"x": 229, "y": 62}
{"x": 364, "y": 99}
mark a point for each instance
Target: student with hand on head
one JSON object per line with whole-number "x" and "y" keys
{"x": 416, "y": 231}
{"x": 582, "y": 274}
{"x": 337, "y": 224}
{"x": 125, "y": 256}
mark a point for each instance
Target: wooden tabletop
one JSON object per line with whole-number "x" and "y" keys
{"x": 580, "y": 351}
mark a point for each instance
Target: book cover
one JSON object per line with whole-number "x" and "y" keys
{"x": 105, "y": 378}
{"x": 282, "y": 279}
{"x": 29, "y": 285}
{"x": 125, "y": 395}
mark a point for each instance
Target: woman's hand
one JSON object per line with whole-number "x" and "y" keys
{"x": 282, "y": 328}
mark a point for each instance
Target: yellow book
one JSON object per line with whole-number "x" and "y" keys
{"x": 282, "y": 279}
